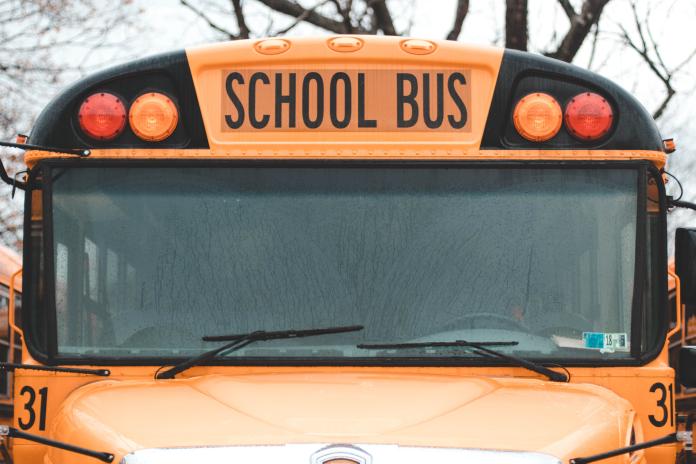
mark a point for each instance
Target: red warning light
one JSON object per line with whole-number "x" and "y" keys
{"x": 102, "y": 116}
{"x": 589, "y": 116}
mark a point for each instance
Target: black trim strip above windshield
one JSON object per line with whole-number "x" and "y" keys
{"x": 51, "y": 358}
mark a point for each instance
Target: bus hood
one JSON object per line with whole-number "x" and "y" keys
{"x": 301, "y": 408}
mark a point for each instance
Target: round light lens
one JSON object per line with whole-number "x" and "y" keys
{"x": 588, "y": 116}
{"x": 153, "y": 117}
{"x": 102, "y": 116}
{"x": 537, "y": 117}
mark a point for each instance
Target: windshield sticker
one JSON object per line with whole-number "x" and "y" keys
{"x": 605, "y": 342}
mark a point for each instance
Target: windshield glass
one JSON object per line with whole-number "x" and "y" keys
{"x": 147, "y": 260}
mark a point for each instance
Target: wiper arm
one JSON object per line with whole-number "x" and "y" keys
{"x": 11, "y": 367}
{"x": 11, "y": 432}
{"x": 480, "y": 347}
{"x": 239, "y": 341}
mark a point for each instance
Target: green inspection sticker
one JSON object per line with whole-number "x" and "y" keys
{"x": 605, "y": 341}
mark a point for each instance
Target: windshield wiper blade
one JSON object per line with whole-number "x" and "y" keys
{"x": 397, "y": 346}
{"x": 239, "y": 341}
{"x": 280, "y": 334}
{"x": 480, "y": 347}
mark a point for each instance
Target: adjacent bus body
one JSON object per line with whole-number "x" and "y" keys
{"x": 10, "y": 287}
{"x": 345, "y": 250}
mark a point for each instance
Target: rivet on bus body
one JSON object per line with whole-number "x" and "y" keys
{"x": 418, "y": 47}
{"x": 272, "y": 46}
{"x": 345, "y": 44}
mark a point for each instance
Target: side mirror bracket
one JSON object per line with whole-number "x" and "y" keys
{"x": 17, "y": 184}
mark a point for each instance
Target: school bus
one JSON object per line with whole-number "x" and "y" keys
{"x": 348, "y": 250}
{"x": 10, "y": 288}
{"x": 685, "y": 397}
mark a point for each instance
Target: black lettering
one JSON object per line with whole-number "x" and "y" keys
{"x": 362, "y": 122}
{"x": 661, "y": 404}
{"x": 29, "y": 407}
{"x": 234, "y": 123}
{"x": 403, "y": 99}
{"x": 463, "y": 115}
{"x": 43, "y": 393}
{"x": 306, "y": 118}
{"x": 347, "y": 100}
{"x": 288, "y": 99}
{"x": 671, "y": 405}
{"x": 257, "y": 123}
{"x": 439, "y": 101}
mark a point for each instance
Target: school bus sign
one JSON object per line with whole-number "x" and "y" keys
{"x": 350, "y": 100}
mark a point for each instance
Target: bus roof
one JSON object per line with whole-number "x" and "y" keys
{"x": 211, "y": 83}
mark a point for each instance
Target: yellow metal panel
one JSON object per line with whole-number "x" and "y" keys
{"x": 379, "y": 58}
{"x": 415, "y": 406}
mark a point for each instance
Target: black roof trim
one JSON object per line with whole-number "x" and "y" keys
{"x": 522, "y": 73}
{"x": 169, "y": 73}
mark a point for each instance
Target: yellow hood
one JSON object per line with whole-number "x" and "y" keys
{"x": 403, "y": 409}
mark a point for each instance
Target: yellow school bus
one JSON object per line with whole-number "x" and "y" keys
{"x": 685, "y": 397}
{"x": 347, "y": 250}
{"x": 10, "y": 288}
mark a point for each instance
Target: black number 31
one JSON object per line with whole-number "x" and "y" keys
{"x": 29, "y": 407}
{"x": 663, "y": 404}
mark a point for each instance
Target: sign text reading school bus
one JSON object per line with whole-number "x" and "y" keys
{"x": 381, "y": 99}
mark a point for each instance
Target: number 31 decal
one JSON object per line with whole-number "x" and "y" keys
{"x": 29, "y": 406}
{"x": 666, "y": 413}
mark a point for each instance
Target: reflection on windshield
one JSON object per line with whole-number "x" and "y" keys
{"x": 149, "y": 259}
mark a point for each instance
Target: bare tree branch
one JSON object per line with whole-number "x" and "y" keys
{"x": 516, "y": 24}
{"x": 646, "y": 47}
{"x": 580, "y": 26}
{"x": 411, "y": 20}
{"x": 301, "y": 18}
{"x": 210, "y": 22}
{"x": 663, "y": 106}
{"x": 568, "y": 8}
{"x": 462, "y": 11}
{"x": 241, "y": 21}
{"x": 363, "y": 15}
{"x": 593, "y": 50}
{"x": 311, "y": 16}
{"x": 383, "y": 17}
{"x": 345, "y": 15}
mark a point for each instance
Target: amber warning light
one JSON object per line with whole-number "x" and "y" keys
{"x": 538, "y": 117}
{"x": 153, "y": 117}
{"x": 102, "y": 116}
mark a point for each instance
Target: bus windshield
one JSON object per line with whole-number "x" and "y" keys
{"x": 149, "y": 259}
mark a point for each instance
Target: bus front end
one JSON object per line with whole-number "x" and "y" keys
{"x": 346, "y": 250}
